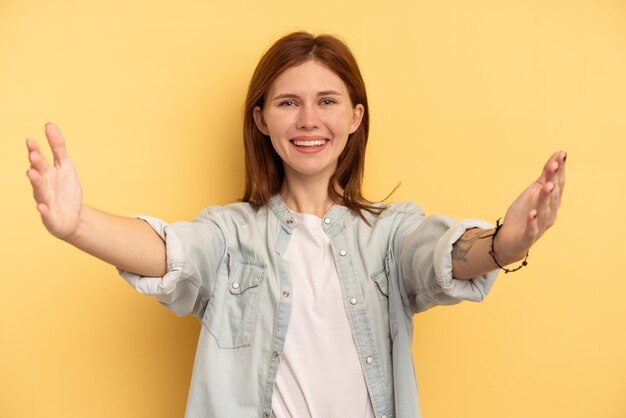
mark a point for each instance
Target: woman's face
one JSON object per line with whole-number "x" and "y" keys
{"x": 308, "y": 116}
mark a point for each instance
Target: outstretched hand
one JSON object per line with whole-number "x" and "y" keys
{"x": 56, "y": 186}
{"x": 533, "y": 212}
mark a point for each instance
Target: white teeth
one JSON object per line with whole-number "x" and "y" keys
{"x": 302, "y": 143}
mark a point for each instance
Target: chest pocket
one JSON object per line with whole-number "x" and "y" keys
{"x": 232, "y": 309}
{"x": 381, "y": 279}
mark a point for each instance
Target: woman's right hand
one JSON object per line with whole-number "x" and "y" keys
{"x": 56, "y": 186}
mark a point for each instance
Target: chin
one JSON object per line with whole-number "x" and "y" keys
{"x": 313, "y": 171}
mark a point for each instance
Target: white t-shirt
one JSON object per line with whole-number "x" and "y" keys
{"x": 319, "y": 374}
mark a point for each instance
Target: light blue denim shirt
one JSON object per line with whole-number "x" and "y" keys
{"x": 227, "y": 268}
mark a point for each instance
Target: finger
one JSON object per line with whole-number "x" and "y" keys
{"x": 550, "y": 169}
{"x": 555, "y": 204}
{"x": 37, "y": 161}
{"x": 555, "y": 195}
{"x": 35, "y": 178}
{"x": 31, "y": 145}
{"x": 37, "y": 182}
{"x": 561, "y": 177}
{"x": 533, "y": 224}
{"x": 57, "y": 143}
{"x": 43, "y": 210}
{"x": 543, "y": 205}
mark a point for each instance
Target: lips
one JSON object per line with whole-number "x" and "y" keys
{"x": 301, "y": 143}
{"x": 309, "y": 141}
{"x": 309, "y": 144}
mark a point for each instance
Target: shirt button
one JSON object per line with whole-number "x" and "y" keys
{"x": 369, "y": 360}
{"x": 383, "y": 416}
{"x": 327, "y": 221}
{"x": 235, "y": 285}
{"x": 286, "y": 294}
{"x": 289, "y": 221}
{"x": 343, "y": 253}
{"x": 267, "y": 414}
{"x": 275, "y": 354}
{"x": 354, "y": 301}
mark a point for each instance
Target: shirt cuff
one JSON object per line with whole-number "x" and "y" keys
{"x": 474, "y": 289}
{"x": 177, "y": 290}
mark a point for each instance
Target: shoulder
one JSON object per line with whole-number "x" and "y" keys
{"x": 240, "y": 212}
{"x": 402, "y": 209}
{"x": 392, "y": 215}
{"x": 394, "y": 211}
{"x": 237, "y": 222}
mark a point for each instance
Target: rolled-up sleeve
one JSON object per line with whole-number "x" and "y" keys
{"x": 194, "y": 251}
{"x": 424, "y": 254}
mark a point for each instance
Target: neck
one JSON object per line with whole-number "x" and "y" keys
{"x": 304, "y": 196}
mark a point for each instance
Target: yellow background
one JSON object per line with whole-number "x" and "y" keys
{"x": 468, "y": 99}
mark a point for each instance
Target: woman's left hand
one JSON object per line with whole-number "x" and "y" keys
{"x": 532, "y": 213}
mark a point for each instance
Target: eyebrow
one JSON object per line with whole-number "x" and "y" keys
{"x": 295, "y": 96}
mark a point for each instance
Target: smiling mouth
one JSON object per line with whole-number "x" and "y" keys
{"x": 309, "y": 143}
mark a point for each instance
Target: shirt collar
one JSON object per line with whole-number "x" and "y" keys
{"x": 330, "y": 221}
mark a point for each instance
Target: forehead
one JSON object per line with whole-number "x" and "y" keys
{"x": 308, "y": 77}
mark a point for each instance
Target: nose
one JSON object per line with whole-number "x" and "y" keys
{"x": 308, "y": 118}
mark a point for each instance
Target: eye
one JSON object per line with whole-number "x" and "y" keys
{"x": 328, "y": 102}
{"x": 286, "y": 103}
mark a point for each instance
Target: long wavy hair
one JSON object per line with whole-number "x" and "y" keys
{"x": 264, "y": 168}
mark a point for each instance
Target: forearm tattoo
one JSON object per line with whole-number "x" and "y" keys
{"x": 467, "y": 241}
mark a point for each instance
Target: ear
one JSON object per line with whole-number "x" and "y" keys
{"x": 357, "y": 116}
{"x": 260, "y": 121}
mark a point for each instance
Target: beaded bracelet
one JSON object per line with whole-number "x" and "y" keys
{"x": 493, "y": 251}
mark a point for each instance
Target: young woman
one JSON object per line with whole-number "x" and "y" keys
{"x": 305, "y": 290}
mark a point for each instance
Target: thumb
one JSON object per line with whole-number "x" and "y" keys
{"x": 57, "y": 143}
